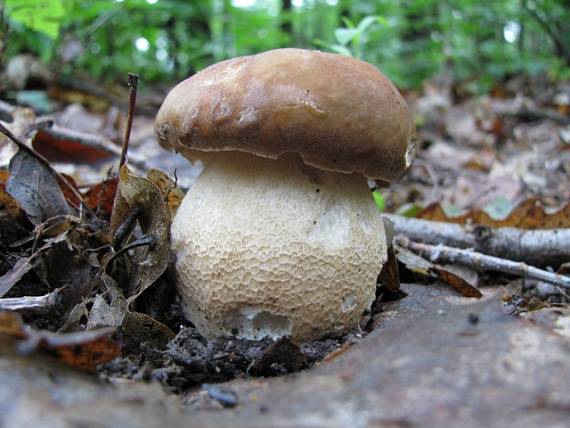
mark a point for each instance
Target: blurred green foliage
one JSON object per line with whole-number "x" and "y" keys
{"x": 410, "y": 40}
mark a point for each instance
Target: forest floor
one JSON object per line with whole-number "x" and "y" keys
{"x": 455, "y": 338}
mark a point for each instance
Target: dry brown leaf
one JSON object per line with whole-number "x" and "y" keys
{"x": 173, "y": 195}
{"x": 389, "y": 275}
{"x": 527, "y": 215}
{"x": 458, "y": 283}
{"x": 101, "y": 197}
{"x": 57, "y": 149}
{"x": 11, "y": 325}
{"x": 88, "y": 355}
{"x": 419, "y": 265}
{"x": 84, "y": 350}
{"x": 146, "y": 263}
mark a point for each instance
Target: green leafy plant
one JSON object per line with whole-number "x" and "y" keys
{"x": 43, "y": 16}
{"x": 350, "y": 40}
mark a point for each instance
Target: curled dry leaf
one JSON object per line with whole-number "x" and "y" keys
{"x": 419, "y": 265}
{"x": 85, "y": 350}
{"x": 527, "y": 215}
{"x": 389, "y": 275}
{"x": 173, "y": 195}
{"x": 148, "y": 262}
{"x": 35, "y": 188}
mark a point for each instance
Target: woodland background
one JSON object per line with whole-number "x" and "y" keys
{"x": 84, "y": 238}
{"x": 413, "y": 40}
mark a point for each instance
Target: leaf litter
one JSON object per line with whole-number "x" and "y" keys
{"x": 107, "y": 267}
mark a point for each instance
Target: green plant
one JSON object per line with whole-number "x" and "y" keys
{"x": 351, "y": 40}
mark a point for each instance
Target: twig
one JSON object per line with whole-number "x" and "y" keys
{"x": 132, "y": 82}
{"x": 32, "y": 305}
{"x": 43, "y": 160}
{"x": 536, "y": 114}
{"x": 536, "y": 247}
{"x": 141, "y": 242}
{"x": 443, "y": 254}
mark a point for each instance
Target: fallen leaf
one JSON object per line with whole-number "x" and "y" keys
{"x": 424, "y": 267}
{"x": 148, "y": 262}
{"x": 110, "y": 314}
{"x": 84, "y": 350}
{"x": 70, "y": 197}
{"x": 35, "y": 188}
{"x": 173, "y": 195}
{"x": 143, "y": 334}
{"x": 527, "y": 215}
{"x": 101, "y": 197}
{"x": 389, "y": 275}
{"x": 458, "y": 283}
{"x": 89, "y": 354}
{"x": 11, "y": 325}
{"x": 57, "y": 148}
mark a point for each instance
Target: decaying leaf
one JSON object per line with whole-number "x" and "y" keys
{"x": 71, "y": 197}
{"x": 456, "y": 282}
{"x": 424, "y": 267}
{"x": 172, "y": 194}
{"x": 100, "y": 198}
{"x": 11, "y": 325}
{"x": 527, "y": 215}
{"x": 141, "y": 196}
{"x": 85, "y": 350}
{"x": 58, "y": 148}
{"x": 90, "y": 352}
{"x": 111, "y": 313}
{"x": 35, "y": 188}
{"x": 389, "y": 275}
{"x": 13, "y": 221}
{"x": 142, "y": 334}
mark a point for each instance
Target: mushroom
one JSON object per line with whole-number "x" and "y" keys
{"x": 280, "y": 235}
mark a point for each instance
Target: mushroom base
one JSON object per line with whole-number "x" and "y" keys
{"x": 274, "y": 247}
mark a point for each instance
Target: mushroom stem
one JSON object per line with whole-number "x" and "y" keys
{"x": 275, "y": 247}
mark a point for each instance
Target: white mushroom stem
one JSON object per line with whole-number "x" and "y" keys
{"x": 274, "y": 247}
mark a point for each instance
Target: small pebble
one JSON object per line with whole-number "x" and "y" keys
{"x": 225, "y": 397}
{"x": 473, "y": 318}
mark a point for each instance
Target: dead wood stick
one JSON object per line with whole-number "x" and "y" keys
{"x": 31, "y": 305}
{"x": 481, "y": 262}
{"x": 536, "y": 247}
{"x": 132, "y": 82}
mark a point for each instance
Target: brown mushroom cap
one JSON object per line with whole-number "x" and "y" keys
{"x": 338, "y": 113}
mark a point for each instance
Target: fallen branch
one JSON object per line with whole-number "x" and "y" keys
{"x": 32, "y": 305}
{"x": 481, "y": 262}
{"x": 536, "y": 247}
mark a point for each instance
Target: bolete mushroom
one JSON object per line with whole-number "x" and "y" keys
{"x": 280, "y": 235}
